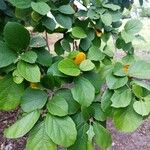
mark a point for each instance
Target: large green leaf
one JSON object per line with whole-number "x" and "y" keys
{"x": 29, "y": 57}
{"x": 7, "y": 56}
{"x": 58, "y": 106}
{"x": 49, "y": 23}
{"x": 66, "y": 9}
{"x": 16, "y": 36}
{"x": 83, "y": 91}
{"x": 95, "y": 53}
{"x": 95, "y": 79}
{"x": 133, "y": 26}
{"x": 73, "y": 106}
{"x": 87, "y": 65}
{"x": 38, "y": 139}
{"x": 33, "y": 99}
{"x": 118, "y": 70}
{"x": 98, "y": 112}
{"x": 102, "y": 136}
{"x": 142, "y": 107}
{"x": 78, "y": 32}
{"x": 121, "y": 99}
{"x": 106, "y": 19}
{"x": 64, "y": 20}
{"x": 82, "y": 138}
{"x": 22, "y": 126}
{"x": 44, "y": 57}
{"x": 114, "y": 82}
{"x": 68, "y": 67}
{"x": 127, "y": 37}
{"x": 62, "y": 131}
{"x": 28, "y": 71}
{"x": 37, "y": 42}
{"x": 10, "y": 93}
{"x": 21, "y": 4}
{"x": 40, "y": 7}
{"x": 111, "y": 6}
{"x": 135, "y": 70}
{"x": 126, "y": 119}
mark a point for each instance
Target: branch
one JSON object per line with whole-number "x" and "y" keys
{"x": 46, "y": 37}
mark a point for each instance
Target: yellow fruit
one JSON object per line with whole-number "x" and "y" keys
{"x": 79, "y": 58}
{"x": 99, "y": 33}
{"x": 34, "y": 85}
{"x": 126, "y": 68}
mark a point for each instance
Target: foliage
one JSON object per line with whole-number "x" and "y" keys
{"x": 67, "y": 95}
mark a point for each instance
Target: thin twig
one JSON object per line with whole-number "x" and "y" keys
{"x": 46, "y": 36}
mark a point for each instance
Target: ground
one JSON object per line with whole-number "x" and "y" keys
{"x": 139, "y": 140}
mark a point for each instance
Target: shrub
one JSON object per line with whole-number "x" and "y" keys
{"x": 67, "y": 95}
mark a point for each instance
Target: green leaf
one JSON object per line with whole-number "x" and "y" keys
{"x": 7, "y": 56}
{"x": 86, "y": 65}
{"x": 98, "y": 114}
{"x": 114, "y": 82}
{"x": 82, "y": 138}
{"x": 54, "y": 70}
{"x": 62, "y": 131}
{"x": 10, "y": 93}
{"x": 127, "y": 120}
{"x": 142, "y": 107}
{"x": 68, "y": 67}
{"x": 66, "y": 9}
{"x": 49, "y": 23}
{"x": 37, "y": 41}
{"x": 29, "y": 72}
{"x": 33, "y": 99}
{"x": 22, "y": 126}
{"x": 78, "y": 32}
{"x": 29, "y": 57}
{"x": 121, "y": 99}
{"x": 21, "y": 4}
{"x": 73, "y": 106}
{"x": 133, "y": 26}
{"x": 95, "y": 54}
{"x": 111, "y": 6}
{"x": 17, "y": 78}
{"x": 85, "y": 44}
{"x": 90, "y": 133}
{"x": 103, "y": 137}
{"x": 64, "y": 21}
{"x": 16, "y": 36}
{"x": 127, "y": 37}
{"x": 106, "y": 19}
{"x": 83, "y": 91}
{"x": 142, "y": 84}
{"x": 58, "y": 106}
{"x": 118, "y": 70}
{"x": 135, "y": 70}
{"x": 66, "y": 45}
{"x": 137, "y": 90}
{"x": 44, "y": 57}
{"x": 95, "y": 79}
{"x": 38, "y": 139}
{"x": 40, "y": 7}
{"x": 106, "y": 102}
